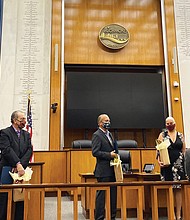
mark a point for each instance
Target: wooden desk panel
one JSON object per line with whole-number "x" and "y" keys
{"x": 149, "y": 156}
{"x": 135, "y": 159}
{"x": 54, "y": 167}
{"x": 70, "y": 162}
{"x": 35, "y": 199}
{"x": 79, "y": 161}
{"x": 131, "y": 196}
{"x": 37, "y": 172}
{"x": 82, "y": 161}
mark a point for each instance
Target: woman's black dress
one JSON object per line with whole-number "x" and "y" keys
{"x": 175, "y": 171}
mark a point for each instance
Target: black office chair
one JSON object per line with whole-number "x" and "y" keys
{"x": 82, "y": 144}
{"x": 125, "y": 157}
{"x": 126, "y": 144}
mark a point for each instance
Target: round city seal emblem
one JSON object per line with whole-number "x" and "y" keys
{"x": 114, "y": 36}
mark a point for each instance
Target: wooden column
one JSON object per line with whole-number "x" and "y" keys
{"x": 55, "y": 76}
{"x": 171, "y": 43}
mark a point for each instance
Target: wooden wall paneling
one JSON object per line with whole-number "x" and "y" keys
{"x": 137, "y": 134}
{"x": 54, "y": 169}
{"x": 135, "y": 159}
{"x": 34, "y": 211}
{"x": 76, "y": 134}
{"x": 129, "y": 134}
{"x": 68, "y": 170}
{"x": 82, "y": 161}
{"x": 150, "y": 136}
{"x": 171, "y": 43}
{"x": 37, "y": 175}
{"x": 149, "y": 156}
{"x": 84, "y": 19}
{"x": 120, "y": 134}
{"x": 85, "y": 26}
{"x": 65, "y": 166}
{"x": 55, "y": 76}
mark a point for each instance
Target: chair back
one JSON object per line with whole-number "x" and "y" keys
{"x": 126, "y": 144}
{"x": 82, "y": 144}
{"x": 125, "y": 157}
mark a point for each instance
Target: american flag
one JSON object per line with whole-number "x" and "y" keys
{"x": 29, "y": 124}
{"x": 29, "y": 118}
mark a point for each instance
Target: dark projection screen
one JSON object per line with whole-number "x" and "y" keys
{"x": 132, "y": 100}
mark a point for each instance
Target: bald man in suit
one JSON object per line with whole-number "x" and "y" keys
{"x": 16, "y": 150}
{"x": 103, "y": 150}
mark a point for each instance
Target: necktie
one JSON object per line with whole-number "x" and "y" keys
{"x": 18, "y": 133}
{"x": 109, "y": 138}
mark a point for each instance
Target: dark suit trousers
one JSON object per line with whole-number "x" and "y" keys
{"x": 19, "y": 208}
{"x": 3, "y": 206}
{"x": 100, "y": 200}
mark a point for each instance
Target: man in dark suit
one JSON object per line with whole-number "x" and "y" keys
{"x": 103, "y": 150}
{"x": 16, "y": 150}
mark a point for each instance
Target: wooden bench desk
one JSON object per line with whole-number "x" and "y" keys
{"x": 134, "y": 185}
{"x": 131, "y": 197}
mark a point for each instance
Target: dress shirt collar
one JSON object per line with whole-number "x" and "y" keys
{"x": 17, "y": 131}
{"x": 105, "y": 132}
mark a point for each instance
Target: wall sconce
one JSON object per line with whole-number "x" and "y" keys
{"x": 54, "y": 107}
{"x": 176, "y": 99}
{"x": 175, "y": 84}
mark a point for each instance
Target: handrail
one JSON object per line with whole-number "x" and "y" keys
{"x": 95, "y": 184}
{"x": 59, "y": 187}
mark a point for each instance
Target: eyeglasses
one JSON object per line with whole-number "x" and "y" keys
{"x": 21, "y": 119}
{"x": 18, "y": 120}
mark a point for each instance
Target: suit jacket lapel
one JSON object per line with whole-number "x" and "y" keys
{"x": 16, "y": 141}
{"x": 106, "y": 138}
{"x": 15, "y": 135}
{"x": 102, "y": 134}
{"x": 111, "y": 137}
{"x": 21, "y": 140}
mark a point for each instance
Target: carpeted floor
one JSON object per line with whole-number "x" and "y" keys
{"x": 67, "y": 209}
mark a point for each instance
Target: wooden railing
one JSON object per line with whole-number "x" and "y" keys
{"x": 137, "y": 185}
